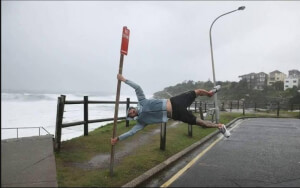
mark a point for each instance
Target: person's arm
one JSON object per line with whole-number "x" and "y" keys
{"x": 134, "y": 129}
{"x": 138, "y": 90}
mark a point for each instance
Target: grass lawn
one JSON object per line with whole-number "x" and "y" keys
{"x": 82, "y": 149}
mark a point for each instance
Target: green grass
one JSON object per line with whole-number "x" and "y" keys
{"x": 82, "y": 149}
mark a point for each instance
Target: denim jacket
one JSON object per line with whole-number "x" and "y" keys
{"x": 149, "y": 111}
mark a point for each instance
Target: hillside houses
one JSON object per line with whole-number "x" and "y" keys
{"x": 260, "y": 80}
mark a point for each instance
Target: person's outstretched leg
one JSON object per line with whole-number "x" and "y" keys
{"x": 202, "y": 92}
{"x": 209, "y": 124}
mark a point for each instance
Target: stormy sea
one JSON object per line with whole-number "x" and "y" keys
{"x": 19, "y": 110}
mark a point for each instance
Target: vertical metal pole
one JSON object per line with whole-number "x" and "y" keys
{"x": 112, "y": 156}
{"x": 86, "y": 115}
{"x": 39, "y": 131}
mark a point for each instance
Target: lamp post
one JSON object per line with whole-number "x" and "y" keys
{"x": 212, "y": 61}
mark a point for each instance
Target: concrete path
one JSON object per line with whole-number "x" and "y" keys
{"x": 259, "y": 153}
{"x": 28, "y": 162}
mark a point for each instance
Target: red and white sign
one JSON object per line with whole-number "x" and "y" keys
{"x": 125, "y": 40}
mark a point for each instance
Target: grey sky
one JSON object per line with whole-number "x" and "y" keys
{"x": 75, "y": 45}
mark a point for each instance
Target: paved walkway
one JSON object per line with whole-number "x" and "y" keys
{"x": 28, "y": 162}
{"x": 259, "y": 153}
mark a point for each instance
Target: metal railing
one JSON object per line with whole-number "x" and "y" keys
{"x": 17, "y": 128}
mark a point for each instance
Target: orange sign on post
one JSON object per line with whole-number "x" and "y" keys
{"x": 125, "y": 40}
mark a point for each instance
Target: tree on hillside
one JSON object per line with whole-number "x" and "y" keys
{"x": 278, "y": 86}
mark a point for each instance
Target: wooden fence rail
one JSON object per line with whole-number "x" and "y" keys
{"x": 61, "y": 102}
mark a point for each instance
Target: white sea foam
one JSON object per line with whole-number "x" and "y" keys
{"x": 39, "y": 110}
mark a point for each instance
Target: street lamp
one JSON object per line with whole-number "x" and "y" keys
{"x": 212, "y": 61}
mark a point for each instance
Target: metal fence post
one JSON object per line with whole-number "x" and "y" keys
{"x": 86, "y": 115}
{"x": 127, "y": 106}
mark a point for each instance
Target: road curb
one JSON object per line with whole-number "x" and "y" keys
{"x": 153, "y": 171}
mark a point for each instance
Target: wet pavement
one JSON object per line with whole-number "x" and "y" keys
{"x": 261, "y": 152}
{"x": 28, "y": 162}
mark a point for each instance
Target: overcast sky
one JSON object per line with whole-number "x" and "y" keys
{"x": 75, "y": 46}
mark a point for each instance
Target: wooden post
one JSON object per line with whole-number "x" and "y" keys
{"x": 86, "y": 115}
{"x": 299, "y": 110}
{"x": 238, "y": 104}
{"x": 230, "y": 106}
{"x": 112, "y": 154}
{"x": 59, "y": 120}
{"x": 278, "y": 109}
{"x": 127, "y": 106}
{"x": 190, "y": 130}
{"x": 163, "y": 131}
{"x": 201, "y": 113}
{"x": 57, "y": 123}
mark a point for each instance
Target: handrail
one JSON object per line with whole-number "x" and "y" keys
{"x": 17, "y": 128}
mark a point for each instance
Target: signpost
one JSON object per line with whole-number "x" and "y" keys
{"x": 124, "y": 50}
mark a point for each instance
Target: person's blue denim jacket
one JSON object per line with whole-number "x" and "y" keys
{"x": 150, "y": 111}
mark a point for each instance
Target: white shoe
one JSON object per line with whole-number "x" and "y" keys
{"x": 215, "y": 89}
{"x": 224, "y": 131}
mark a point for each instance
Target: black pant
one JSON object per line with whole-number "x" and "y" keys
{"x": 179, "y": 107}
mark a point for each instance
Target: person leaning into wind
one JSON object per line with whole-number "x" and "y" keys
{"x": 151, "y": 111}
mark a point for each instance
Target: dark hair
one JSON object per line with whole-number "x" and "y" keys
{"x": 129, "y": 110}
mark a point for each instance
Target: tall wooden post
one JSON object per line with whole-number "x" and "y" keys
{"x": 124, "y": 49}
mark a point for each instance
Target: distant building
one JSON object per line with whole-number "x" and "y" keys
{"x": 294, "y": 73}
{"x": 255, "y": 80}
{"x": 293, "y": 79}
{"x": 276, "y": 76}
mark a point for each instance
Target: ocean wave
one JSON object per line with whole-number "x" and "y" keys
{"x": 26, "y": 97}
